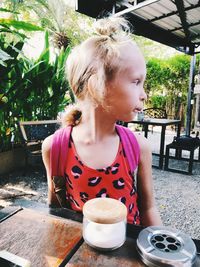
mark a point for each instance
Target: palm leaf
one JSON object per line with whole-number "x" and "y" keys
{"x": 20, "y": 25}
{"x": 9, "y": 11}
{"x": 33, "y": 67}
{"x": 7, "y": 30}
{"x": 43, "y": 3}
{"x": 4, "y": 56}
{"x": 2, "y": 63}
{"x": 45, "y": 55}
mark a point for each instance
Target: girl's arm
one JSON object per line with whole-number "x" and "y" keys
{"x": 46, "y": 148}
{"x": 148, "y": 212}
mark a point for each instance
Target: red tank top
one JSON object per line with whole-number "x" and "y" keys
{"x": 115, "y": 181}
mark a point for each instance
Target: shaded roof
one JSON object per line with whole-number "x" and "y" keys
{"x": 175, "y": 23}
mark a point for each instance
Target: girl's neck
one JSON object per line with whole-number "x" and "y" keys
{"x": 96, "y": 125}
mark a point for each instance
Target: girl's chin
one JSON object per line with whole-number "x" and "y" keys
{"x": 133, "y": 115}
{"x": 128, "y": 119}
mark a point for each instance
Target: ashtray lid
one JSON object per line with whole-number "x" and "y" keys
{"x": 163, "y": 247}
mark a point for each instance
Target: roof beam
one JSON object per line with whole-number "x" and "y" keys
{"x": 193, "y": 38}
{"x": 95, "y": 9}
{"x": 183, "y": 17}
{"x": 153, "y": 32}
{"x": 135, "y": 7}
{"x": 174, "y": 13}
{"x": 141, "y": 26}
{"x": 180, "y": 28}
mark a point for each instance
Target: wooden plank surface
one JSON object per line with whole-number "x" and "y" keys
{"x": 42, "y": 239}
{"x": 46, "y": 240}
{"x": 6, "y": 212}
{"x": 124, "y": 256}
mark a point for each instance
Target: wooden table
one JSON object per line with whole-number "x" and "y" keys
{"x": 46, "y": 239}
{"x": 124, "y": 256}
{"x": 163, "y": 123}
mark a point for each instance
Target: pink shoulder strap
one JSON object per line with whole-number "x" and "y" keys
{"x": 59, "y": 150}
{"x": 130, "y": 145}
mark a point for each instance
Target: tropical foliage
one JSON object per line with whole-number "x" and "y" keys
{"x": 167, "y": 84}
{"x": 29, "y": 89}
{"x": 63, "y": 24}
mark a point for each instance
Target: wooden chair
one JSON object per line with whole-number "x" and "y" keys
{"x": 32, "y": 134}
{"x": 179, "y": 144}
{"x": 157, "y": 113}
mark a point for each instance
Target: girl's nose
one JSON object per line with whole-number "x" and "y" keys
{"x": 143, "y": 96}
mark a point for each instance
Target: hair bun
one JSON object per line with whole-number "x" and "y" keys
{"x": 112, "y": 26}
{"x": 72, "y": 116}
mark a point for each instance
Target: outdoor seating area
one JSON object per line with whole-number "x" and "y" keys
{"x": 191, "y": 144}
{"x": 163, "y": 124}
{"x": 178, "y": 206}
{"x": 33, "y": 134}
{"x": 95, "y": 75}
{"x": 171, "y": 189}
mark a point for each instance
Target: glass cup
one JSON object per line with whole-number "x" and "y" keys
{"x": 104, "y": 223}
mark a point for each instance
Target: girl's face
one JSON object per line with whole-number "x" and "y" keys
{"x": 125, "y": 92}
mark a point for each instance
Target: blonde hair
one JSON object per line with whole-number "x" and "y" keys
{"x": 94, "y": 62}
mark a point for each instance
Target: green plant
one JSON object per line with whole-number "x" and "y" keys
{"x": 30, "y": 89}
{"x": 167, "y": 84}
{"x": 63, "y": 24}
{"x": 9, "y": 71}
{"x": 158, "y": 101}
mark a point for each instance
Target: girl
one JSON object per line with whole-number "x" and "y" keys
{"x": 106, "y": 73}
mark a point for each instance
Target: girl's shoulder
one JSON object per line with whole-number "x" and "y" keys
{"x": 47, "y": 143}
{"x": 55, "y": 139}
{"x": 143, "y": 143}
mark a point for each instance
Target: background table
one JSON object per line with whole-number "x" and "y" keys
{"x": 158, "y": 122}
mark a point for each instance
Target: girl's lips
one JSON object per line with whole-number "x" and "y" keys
{"x": 138, "y": 110}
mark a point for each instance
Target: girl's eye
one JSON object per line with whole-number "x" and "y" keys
{"x": 136, "y": 82}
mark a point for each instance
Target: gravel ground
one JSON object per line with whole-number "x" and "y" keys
{"x": 177, "y": 195}
{"x": 16, "y": 186}
{"x": 178, "y": 200}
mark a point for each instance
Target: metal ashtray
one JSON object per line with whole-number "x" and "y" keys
{"x": 165, "y": 247}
